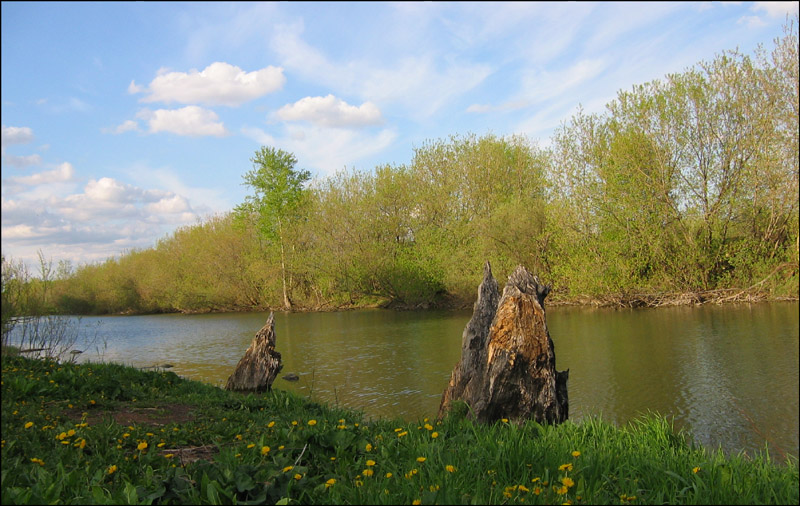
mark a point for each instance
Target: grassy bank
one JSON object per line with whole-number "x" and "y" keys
{"x": 110, "y": 434}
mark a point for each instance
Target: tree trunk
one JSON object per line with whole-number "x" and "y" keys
{"x": 508, "y": 365}
{"x": 260, "y": 364}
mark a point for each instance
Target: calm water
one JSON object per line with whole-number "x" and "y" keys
{"x": 729, "y": 374}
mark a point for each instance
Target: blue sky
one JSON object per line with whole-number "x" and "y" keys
{"x": 122, "y": 121}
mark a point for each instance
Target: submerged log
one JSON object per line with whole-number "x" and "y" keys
{"x": 511, "y": 372}
{"x": 260, "y": 364}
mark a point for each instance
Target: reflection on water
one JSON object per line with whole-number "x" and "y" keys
{"x": 729, "y": 373}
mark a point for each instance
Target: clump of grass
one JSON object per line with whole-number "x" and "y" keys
{"x": 63, "y": 441}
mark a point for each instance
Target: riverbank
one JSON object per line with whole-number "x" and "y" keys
{"x": 110, "y": 434}
{"x": 620, "y": 300}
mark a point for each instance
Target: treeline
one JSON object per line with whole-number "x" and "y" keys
{"x": 684, "y": 185}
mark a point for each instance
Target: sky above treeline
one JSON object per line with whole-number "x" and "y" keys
{"x": 122, "y": 121}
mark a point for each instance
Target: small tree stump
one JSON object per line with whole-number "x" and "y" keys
{"x": 508, "y": 364}
{"x": 260, "y": 365}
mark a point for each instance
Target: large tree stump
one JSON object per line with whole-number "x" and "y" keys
{"x": 508, "y": 363}
{"x": 260, "y": 364}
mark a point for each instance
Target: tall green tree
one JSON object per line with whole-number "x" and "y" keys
{"x": 276, "y": 202}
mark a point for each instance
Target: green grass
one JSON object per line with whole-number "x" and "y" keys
{"x": 110, "y": 434}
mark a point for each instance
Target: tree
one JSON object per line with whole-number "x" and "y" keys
{"x": 277, "y": 200}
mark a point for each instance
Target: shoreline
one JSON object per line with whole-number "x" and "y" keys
{"x": 617, "y": 301}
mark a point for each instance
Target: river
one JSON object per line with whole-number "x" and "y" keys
{"x": 728, "y": 374}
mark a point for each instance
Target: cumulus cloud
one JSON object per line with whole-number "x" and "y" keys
{"x": 191, "y": 120}
{"x": 16, "y": 135}
{"x": 218, "y": 84}
{"x": 330, "y": 111}
{"x": 103, "y": 219}
{"x": 64, "y": 172}
{"x": 126, "y": 126}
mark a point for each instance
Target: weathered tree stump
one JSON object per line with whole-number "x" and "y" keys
{"x": 260, "y": 365}
{"x": 508, "y": 363}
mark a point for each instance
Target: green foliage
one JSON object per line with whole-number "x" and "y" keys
{"x": 68, "y": 442}
{"x": 685, "y": 184}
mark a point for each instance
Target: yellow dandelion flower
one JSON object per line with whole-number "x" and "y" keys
{"x": 523, "y": 488}
{"x": 401, "y": 434}
{"x": 576, "y": 453}
{"x": 37, "y": 461}
{"x": 560, "y": 490}
{"x": 281, "y": 447}
{"x": 504, "y": 420}
{"x": 416, "y": 501}
{"x": 294, "y": 422}
{"x": 537, "y": 490}
{"x": 330, "y": 482}
{"x": 162, "y": 444}
{"x": 142, "y": 446}
{"x": 239, "y": 437}
{"x": 112, "y": 469}
{"x": 169, "y": 455}
{"x": 312, "y": 422}
{"x": 429, "y": 426}
{"x": 421, "y": 459}
{"x": 368, "y": 472}
{"x": 434, "y": 435}
{"x": 389, "y": 475}
{"x": 264, "y": 450}
{"x": 124, "y": 435}
{"x": 567, "y": 481}
{"x": 29, "y": 425}
{"x": 370, "y": 463}
{"x": 297, "y": 476}
{"x": 287, "y": 469}
{"x": 696, "y": 470}
{"x": 270, "y": 425}
{"x": 450, "y": 469}
{"x": 369, "y": 447}
{"x": 565, "y": 467}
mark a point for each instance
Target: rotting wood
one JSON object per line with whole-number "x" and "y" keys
{"x": 508, "y": 366}
{"x": 260, "y": 364}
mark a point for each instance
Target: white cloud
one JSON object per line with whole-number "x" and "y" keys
{"x": 64, "y": 172}
{"x": 190, "y": 120}
{"x": 776, "y": 9}
{"x": 324, "y": 150}
{"x": 421, "y": 83}
{"x": 330, "y": 111}
{"x": 751, "y": 21}
{"x": 126, "y": 126}
{"x": 104, "y": 219}
{"x": 22, "y": 161}
{"x": 15, "y": 135}
{"x": 218, "y": 84}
